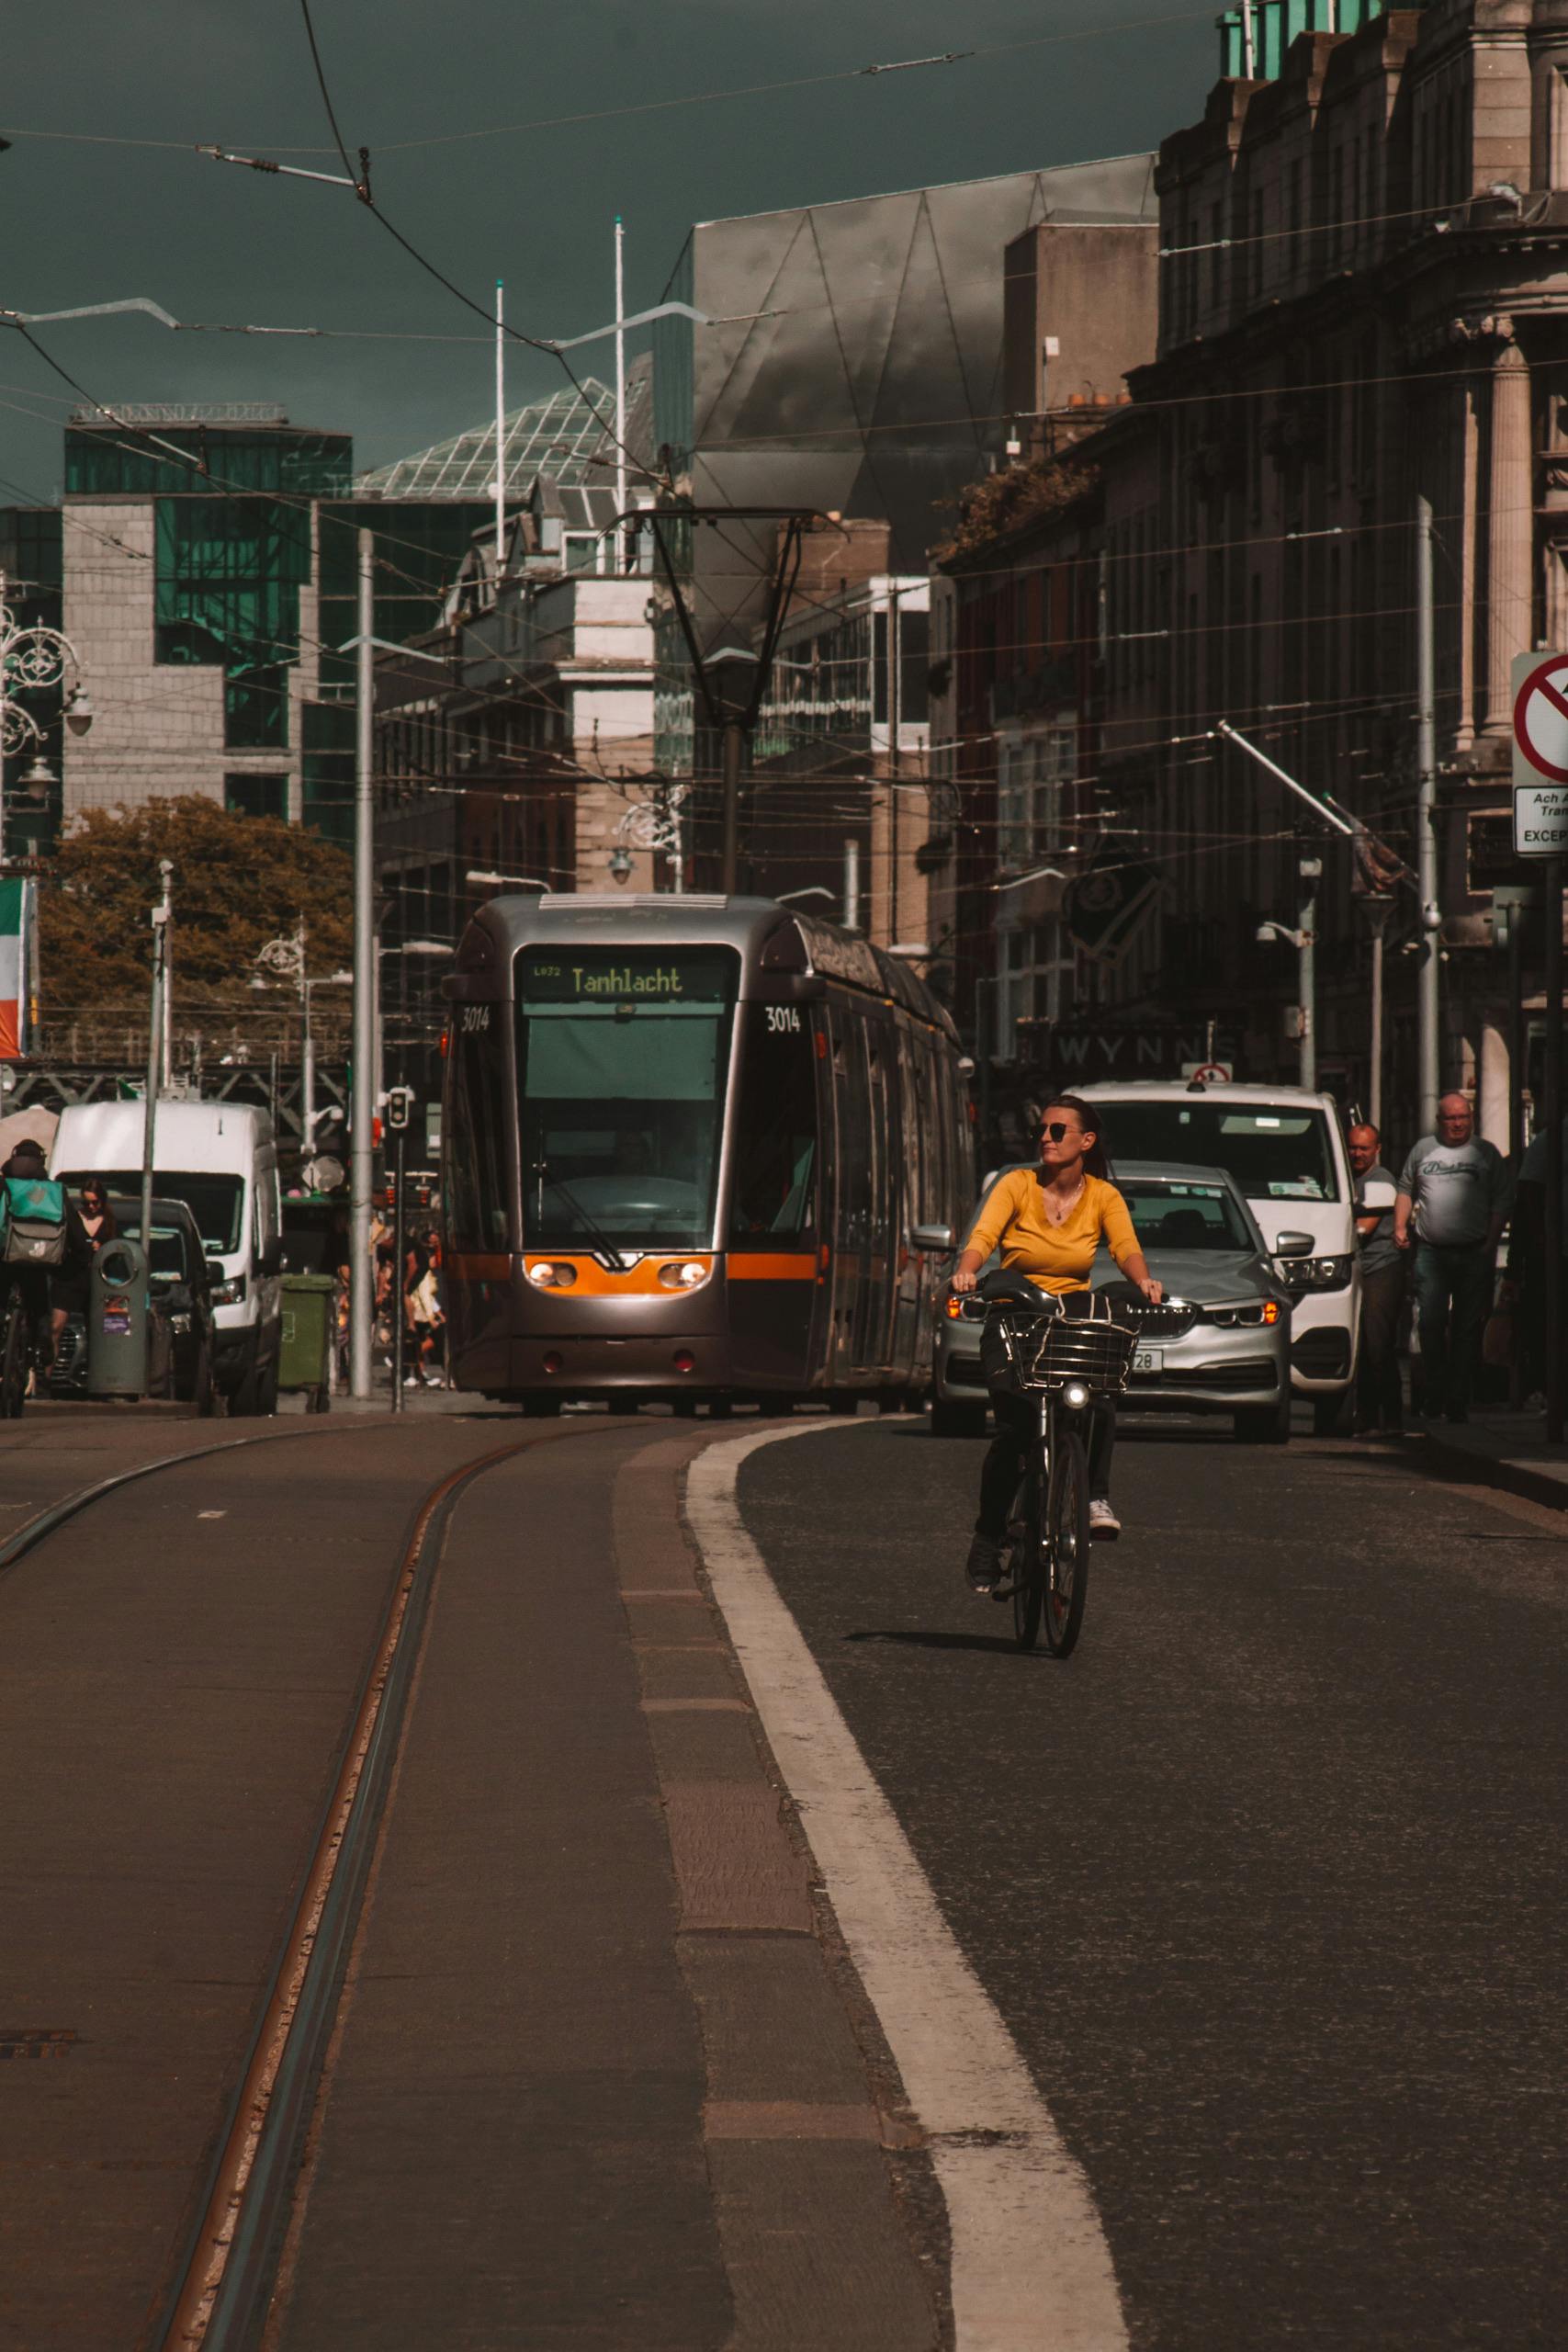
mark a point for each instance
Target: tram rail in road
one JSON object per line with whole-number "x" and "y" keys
{"x": 224, "y": 2274}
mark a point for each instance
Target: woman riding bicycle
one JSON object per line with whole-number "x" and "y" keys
{"x": 1048, "y": 1222}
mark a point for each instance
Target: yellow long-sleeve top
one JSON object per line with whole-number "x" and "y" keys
{"x": 1057, "y": 1257}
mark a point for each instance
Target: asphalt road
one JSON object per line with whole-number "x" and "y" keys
{"x": 1265, "y": 1880}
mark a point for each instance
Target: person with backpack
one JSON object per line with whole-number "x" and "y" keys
{"x": 43, "y": 1238}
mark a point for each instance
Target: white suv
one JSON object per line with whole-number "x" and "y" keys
{"x": 1284, "y": 1150}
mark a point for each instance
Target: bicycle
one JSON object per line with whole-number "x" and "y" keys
{"x": 1066, "y": 1364}
{"x": 16, "y": 1353}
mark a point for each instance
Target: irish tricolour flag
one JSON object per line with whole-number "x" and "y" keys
{"x": 16, "y": 960}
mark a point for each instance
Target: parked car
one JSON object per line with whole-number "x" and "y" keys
{"x": 1221, "y": 1341}
{"x": 1284, "y": 1148}
{"x": 220, "y": 1158}
{"x": 180, "y": 1282}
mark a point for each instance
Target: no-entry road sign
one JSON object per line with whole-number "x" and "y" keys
{"x": 1540, "y": 754}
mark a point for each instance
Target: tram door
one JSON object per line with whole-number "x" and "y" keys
{"x": 874, "y": 1297}
{"x": 915, "y": 1123}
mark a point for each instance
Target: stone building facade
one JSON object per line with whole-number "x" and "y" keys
{"x": 1363, "y": 299}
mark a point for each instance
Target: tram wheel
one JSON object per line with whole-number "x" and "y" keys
{"x": 721, "y": 1409}
{"x": 843, "y": 1400}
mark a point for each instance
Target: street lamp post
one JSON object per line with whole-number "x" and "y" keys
{"x": 32, "y": 661}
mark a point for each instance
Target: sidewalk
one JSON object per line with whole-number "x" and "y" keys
{"x": 1496, "y": 1447}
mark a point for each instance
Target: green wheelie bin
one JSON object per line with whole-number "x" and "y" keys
{"x": 308, "y": 1317}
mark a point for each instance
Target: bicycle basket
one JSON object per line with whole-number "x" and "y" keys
{"x": 1025, "y": 1352}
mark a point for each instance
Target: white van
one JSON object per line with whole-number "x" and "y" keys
{"x": 220, "y": 1158}
{"x": 1285, "y": 1152}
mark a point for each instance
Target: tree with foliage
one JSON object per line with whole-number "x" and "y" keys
{"x": 238, "y": 882}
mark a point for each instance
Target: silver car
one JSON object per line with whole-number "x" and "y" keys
{"x": 1220, "y": 1343}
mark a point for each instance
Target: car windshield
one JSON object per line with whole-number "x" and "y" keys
{"x": 1186, "y": 1217}
{"x": 217, "y": 1202}
{"x": 1272, "y": 1155}
{"x": 623, "y": 1061}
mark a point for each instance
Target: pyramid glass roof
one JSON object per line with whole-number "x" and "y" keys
{"x": 561, "y": 436}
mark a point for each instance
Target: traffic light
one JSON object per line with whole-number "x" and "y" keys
{"x": 399, "y": 1109}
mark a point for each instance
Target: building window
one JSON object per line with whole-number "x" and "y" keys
{"x": 256, "y": 796}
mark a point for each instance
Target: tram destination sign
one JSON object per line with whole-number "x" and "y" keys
{"x": 615, "y": 975}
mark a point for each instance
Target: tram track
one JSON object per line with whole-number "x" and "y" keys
{"x": 223, "y": 2272}
{"x": 225, "y": 2275}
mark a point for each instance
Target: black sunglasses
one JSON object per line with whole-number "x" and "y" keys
{"x": 1057, "y": 1130}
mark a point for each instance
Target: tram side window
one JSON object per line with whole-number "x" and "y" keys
{"x": 476, "y": 1149}
{"x": 774, "y": 1190}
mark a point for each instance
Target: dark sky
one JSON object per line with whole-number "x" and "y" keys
{"x": 83, "y": 221}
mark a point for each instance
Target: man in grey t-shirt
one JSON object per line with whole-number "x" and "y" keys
{"x": 1454, "y": 1189}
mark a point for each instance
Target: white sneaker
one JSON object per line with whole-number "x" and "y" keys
{"x": 1103, "y": 1524}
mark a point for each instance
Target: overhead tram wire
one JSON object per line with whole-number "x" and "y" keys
{"x": 657, "y": 105}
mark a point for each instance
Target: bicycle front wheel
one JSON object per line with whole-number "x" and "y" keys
{"x": 1029, "y": 1560}
{"x": 1066, "y": 1545}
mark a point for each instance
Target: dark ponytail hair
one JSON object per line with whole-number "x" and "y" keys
{"x": 1096, "y": 1159}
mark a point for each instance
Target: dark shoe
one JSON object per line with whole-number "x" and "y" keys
{"x": 984, "y": 1565}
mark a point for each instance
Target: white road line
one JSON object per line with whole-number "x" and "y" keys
{"x": 1032, "y": 2271}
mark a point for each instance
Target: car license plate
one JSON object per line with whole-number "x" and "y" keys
{"x": 1149, "y": 1359}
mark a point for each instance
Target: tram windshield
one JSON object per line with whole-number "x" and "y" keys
{"x": 623, "y": 1059}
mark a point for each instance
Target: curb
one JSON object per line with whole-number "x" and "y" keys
{"x": 1460, "y": 1465}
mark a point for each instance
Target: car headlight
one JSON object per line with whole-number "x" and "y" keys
{"x": 683, "y": 1273}
{"x": 1248, "y": 1310}
{"x": 548, "y": 1275}
{"x": 229, "y": 1294}
{"x": 1314, "y": 1273}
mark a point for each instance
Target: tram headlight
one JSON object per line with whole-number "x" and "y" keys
{"x": 548, "y": 1275}
{"x": 683, "y": 1273}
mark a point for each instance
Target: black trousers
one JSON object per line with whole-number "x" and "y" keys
{"x": 1379, "y": 1402}
{"x": 1018, "y": 1420}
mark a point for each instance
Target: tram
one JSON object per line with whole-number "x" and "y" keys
{"x": 685, "y": 1144}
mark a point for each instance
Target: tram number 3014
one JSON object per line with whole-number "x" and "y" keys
{"x": 474, "y": 1017}
{"x": 781, "y": 1017}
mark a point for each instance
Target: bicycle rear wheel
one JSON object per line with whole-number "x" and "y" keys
{"x": 1028, "y": 1528}
{"x": 1066, "y": 1545}
{"x": 13, "y": 1361}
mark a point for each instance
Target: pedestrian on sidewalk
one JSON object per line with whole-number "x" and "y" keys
{"x": 1452, "y": 1205}
{"x": 1380, "y": 1402}
{"x": 1526, "y": 1286}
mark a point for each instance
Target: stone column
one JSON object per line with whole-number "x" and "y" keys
{"x": 1510, "y": 532}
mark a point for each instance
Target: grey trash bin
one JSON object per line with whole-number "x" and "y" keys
{"x": 117, "y": 1320}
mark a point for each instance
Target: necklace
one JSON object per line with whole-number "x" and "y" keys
{"x": 1060, "y": 1215}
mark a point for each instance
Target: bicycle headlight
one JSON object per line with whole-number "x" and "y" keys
{"x": 1075, "y": 1394}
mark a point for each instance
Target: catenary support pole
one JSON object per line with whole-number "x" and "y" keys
{"x": 361, "y": 1272}
{"x": 499, "y": 436}
{"x": 1374, "y": 1090}
{"x": 166, "y": 985}
{"x": 1428, "y": 1009}
{"x": 396, "y": 1303}
{"x": 1311, "y": 867}
{"x": 732, "y": 870}
{"x": 1552, "y": 1091}
{"x": 622, "y": 538}
{"x": 148, "y": 1118}
{"x": 895, "y": 695}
